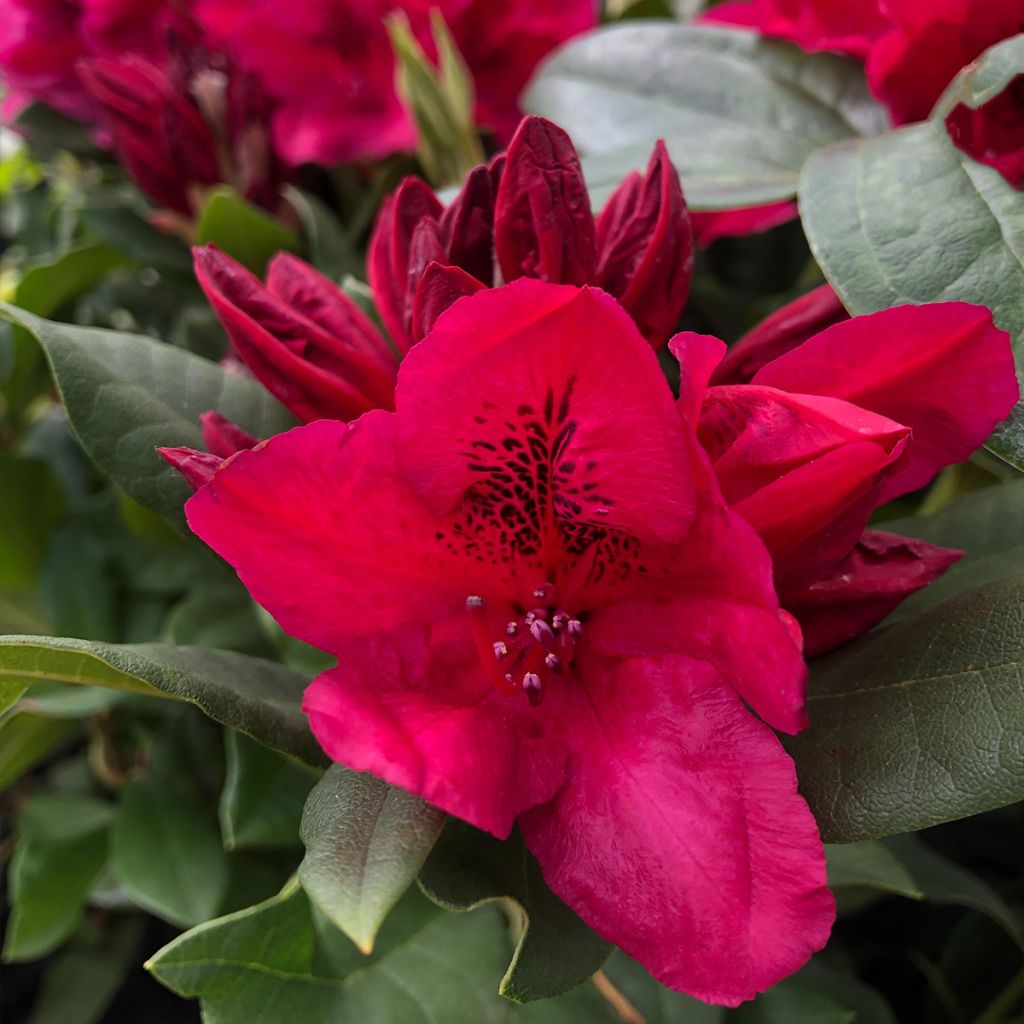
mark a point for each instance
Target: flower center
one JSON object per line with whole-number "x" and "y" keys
{"x": 520, "y": 651}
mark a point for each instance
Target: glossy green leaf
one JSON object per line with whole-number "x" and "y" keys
{"x": 166, "y": 848}
{"x": 271, "y": 963}
{"x": 62, "y": 845}
{"x": 365, "y": 843}
{"x": 242, "y": 230}
{"x": 330, "y": 249}
{"x": 76, "y": 588}
{"x": 556, "y": 950}
{"x": 259, "y": 698}
{"x": 220, "y": 615}
{"x": 920, "y": 723}
{"x": 740, "y": 114}
{"x": 906, "y": 217}
{"x": 264, "y": 792}
{"x": 121, "y": 228}
{"x": 126, "y": 395}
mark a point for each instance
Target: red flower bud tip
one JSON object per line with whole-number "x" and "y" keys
{"x": 646, "y": 247}
{"x": 543, "y": 225}
{"x": 780, "y": 333}
{"x": 467, "y": 225}
{"x": 224, "y": 438}
{"x": 302, "y": 337}
{"x": 198, "y": 468}
{"x": 389, "y": 254}
{"x": 438, "y": 289}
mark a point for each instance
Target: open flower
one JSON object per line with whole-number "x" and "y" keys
{"x": 544, "y": 614}
{"x": 860, "y": 413}
{"x": 332, "y": 69}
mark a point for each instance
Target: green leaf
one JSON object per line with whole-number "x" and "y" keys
{"x": 365, "y": 843}
{"x": 76, "y": 587}
{"x": 869, "y": 865}
{"x": 816, "y": 995}
{"x": 740, "y": 114}
{"x": 166, "y": 848}
{"x": 984, "y": 79}
{"x": 47, "y": 285}
{"x": 987, "y": 524}
{"x": 25, "y": 739}
{"x": 906, "y": 217}
{"x": 330, "y": 249}
{"x": 83, "y": 981}
{"x": 942, "y": 880}
{"x": 31, "y": 506}
{"x": 62, "y": 846}
{"x": 556, "y": 950}
{"x": 257, "y": 697}
{"x": 271, "y": 963}
{"x": 242, "y": 230}
{"x": 261, "y": 804}
{"x": 218, "y": 615}
{"x": 920, "y": 723}
{"x": 126, "y": 395}
{"x": 124, "y": 230}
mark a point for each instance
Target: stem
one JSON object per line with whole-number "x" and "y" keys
{"x": 627, "y": 1012}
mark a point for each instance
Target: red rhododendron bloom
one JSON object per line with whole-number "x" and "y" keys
{"x": 913, "y": 48}
{"x": 866, "y": 410}
{"x": 332, "y": 68}
{"x": 41, "y": 41}
{"x": 544, "y": 614}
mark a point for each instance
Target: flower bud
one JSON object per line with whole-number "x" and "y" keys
{"x": 302, "y": 338}
{"x": 438, "y": 288}
{"x": 543, "y": 226}
{"x": 645, "y": 247}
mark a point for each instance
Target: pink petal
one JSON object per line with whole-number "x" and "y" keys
{"x": 944, "y": 369}
{"x": 713, "y": 599}
{"x": 395, "y": 707}
{"x": 224, "y": 438}
{"x": 543, "y": 379}
{"x": 326, "y": 536}
{"x": 438, "y": 288}
{"x": 679, "y": 834}
{"x": 698, "y": 355}
{"x": 876, "y": 576}
{"x": 777, "y": 334}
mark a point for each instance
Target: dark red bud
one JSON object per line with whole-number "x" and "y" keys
{"x": 389, "y": 251}
{"x": 438, "y": 288}
{"x": 467, "y": 225}
{"x": 781, "y": 332}
{"x": 543, "y": 225}
{"x": 646, "y": 247}
{"x": 159, "y": 135}
{"x": 198, "y": 468}
{"x": 882, "y": 570}
{"x": 313, "y": 372}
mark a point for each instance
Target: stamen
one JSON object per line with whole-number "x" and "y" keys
{"x": 475, "y": 603}
{"x": 500, "y": 650}
{"x": 532, "y": 688}
{"x": 553, "y": 662}
{"x": 558, "y": 621}
{"x": 541, "y": 632}
{"x": 575, "y": 628}
{"x": 512, "y": 628}
{"x": 545, "y": 592}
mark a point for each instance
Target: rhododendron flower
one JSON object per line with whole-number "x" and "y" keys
{"x": 862, "y": 412}
{"x": 222, "y": 438}
{"x": 544, "y": 614}
{"x": 332, "y": 68}
{"x": 913, "y": 48}
{"x": 42, "y": 40}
